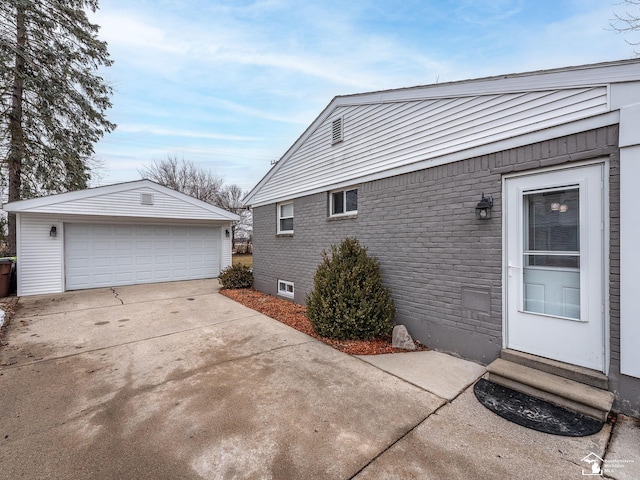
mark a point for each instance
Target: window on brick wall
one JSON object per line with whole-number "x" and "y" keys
{"x": 286, "y": 289}
{"x": 285, "y": 217}
{"x": 343, "y": 202}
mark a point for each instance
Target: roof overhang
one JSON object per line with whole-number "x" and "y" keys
{"x": 48, "y": 204}
{"x": 600, "y": 74}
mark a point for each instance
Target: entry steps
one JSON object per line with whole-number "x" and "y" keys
{"x": 574, "y": 388}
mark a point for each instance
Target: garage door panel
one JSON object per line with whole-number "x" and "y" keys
{"x": 124, "y": 277}
{"x": 124, "y": 261}
{"x": 163, "y": 275}
{"x": 144, "y": 260}
{"x": 163, "y": 245}
{"x": 143, "y": 277}
{"x": 123, "y": 245}
{"x": 163, "y": 259}
{"x": 102, "y": 245}
{"x": 110, "y": 255}
{"x": 98, "y": 262}
{"x": 102, "y": 229}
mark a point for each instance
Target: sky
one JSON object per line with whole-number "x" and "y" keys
{"x": 231, "y": 85}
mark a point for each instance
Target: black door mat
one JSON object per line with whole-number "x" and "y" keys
{"x": 533, "y": 412}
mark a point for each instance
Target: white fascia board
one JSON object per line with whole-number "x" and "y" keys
{"x": 563, "y": 78}
{"x": 571, "y": 128}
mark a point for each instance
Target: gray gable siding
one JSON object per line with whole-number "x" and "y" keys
{"x": 444, "y": 267}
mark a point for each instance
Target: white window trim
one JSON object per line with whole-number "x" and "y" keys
{"x": 285, "y": 292}
{"x": 279, "y": 217}
{"x": 344, "y": 198}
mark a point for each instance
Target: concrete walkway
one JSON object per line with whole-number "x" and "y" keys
{"x": 465, "y": 440}
{"x": 176, "y": 381}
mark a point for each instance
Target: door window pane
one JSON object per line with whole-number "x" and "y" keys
{"x": 551, "y": 263}
{"x": 553, "y": 221}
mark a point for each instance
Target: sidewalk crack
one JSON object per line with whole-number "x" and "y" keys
{"x": 116, "y": 295}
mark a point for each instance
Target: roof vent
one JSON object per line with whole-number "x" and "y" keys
{"x": 146, "y": 199}
{"x": 336, "y": 131}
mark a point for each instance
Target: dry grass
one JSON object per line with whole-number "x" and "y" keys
{"x": 243, "y": 259}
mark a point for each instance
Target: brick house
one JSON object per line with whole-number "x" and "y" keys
{"x": 548, "y": 267}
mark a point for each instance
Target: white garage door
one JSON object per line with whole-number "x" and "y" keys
{"x": 109, "y": 255}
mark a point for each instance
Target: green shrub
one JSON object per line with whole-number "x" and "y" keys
{"x": 348, "y": 300}
{"x": 236, "y": 276}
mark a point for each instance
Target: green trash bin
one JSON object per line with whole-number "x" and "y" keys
{"x": 5, "y": 277}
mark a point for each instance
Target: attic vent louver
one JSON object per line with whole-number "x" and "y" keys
{"x": 146, "y": 199}
{"x": 336, "y": 131}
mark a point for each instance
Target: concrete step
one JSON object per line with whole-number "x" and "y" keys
{"x": 572, "y": 372}
{"x": 561, "y": 391}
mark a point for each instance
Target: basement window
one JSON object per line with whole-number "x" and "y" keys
{"x": 285, "y": 289}
{"x": 337, "y": 131}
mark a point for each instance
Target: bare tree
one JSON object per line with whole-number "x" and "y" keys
{"x": 184, "y": 176}
{"x": 628, "y": 21}
{"x": 230, "y": 198}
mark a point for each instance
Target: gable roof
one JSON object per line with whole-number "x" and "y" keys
{"x": 124, "y": 200}
{"x": 402, "y": 130}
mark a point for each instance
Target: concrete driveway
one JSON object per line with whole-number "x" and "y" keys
{"x": 173, "y": 381}
{"x": 177, "y": 381}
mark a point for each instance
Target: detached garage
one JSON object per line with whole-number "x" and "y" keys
{"x": 124, "y": 234}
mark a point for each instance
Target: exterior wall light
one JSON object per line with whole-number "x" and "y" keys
{"x": 226, "y": 233}
{"x": 483, "y": 209}
{"x": 53, "y": 232}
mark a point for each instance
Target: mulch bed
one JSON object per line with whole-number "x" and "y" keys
{"x": 294, "y": 315}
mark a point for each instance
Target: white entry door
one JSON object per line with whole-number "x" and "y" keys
{"x": 554, "y": 225}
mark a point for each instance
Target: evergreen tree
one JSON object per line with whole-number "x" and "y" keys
{"x": 52, "y": 101}
{"x": 348, "y": 300}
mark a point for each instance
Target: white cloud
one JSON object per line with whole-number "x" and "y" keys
{"x": 172, "y": 132}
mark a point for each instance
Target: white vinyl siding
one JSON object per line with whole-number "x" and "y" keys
{"x": 388, "y": 135}
{"x": 103, "y": 255}
{"x": 39, "y": 255}
{"x": 286, "y": 289}
{"x": 129, "y": 203}
{"x": 227, "y": 248}
{"x": 337, "y": 131}
{"x": 285, "y": 217}
{"x": 42, "y": 264}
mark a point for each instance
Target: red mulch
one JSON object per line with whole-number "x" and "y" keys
{"x": 294, "y": 315}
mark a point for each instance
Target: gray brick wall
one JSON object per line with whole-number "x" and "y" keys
{"x": 444, "y": 267}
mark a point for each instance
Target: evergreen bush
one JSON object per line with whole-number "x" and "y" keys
{"x": 236, "y": 276}
{"x": 348, "y": 301}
